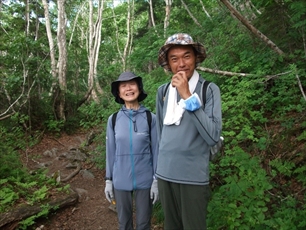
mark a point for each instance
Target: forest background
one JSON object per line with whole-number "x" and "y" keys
{"x": 58, "y": 58}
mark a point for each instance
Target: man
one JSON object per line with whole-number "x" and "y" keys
{"x": 186, "y": 131}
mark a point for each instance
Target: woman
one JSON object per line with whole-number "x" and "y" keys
{"x": 131, "y": 154}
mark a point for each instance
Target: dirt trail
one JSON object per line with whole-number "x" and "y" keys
{"x": 92, "y": 211}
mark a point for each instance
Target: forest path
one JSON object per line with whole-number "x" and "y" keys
{"x": 92, "y": 211}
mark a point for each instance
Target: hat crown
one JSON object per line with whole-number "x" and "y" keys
{"x": 126, "y": 76}
{"x": 180, "y": 39}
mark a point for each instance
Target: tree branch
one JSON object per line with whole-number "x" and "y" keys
{"x": 190, "y": 14}
{"x": 224, "y": 73}
{"x": 255, "y": 31}
{"x": 301, "y": 87}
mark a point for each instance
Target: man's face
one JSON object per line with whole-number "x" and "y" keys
{"x": 182, "y": 58}
{"x": 129, "y": 91}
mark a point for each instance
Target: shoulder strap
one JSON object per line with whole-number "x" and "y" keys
{"x": 165, "y": 90}
{"x": 114, "y": 120}
{"x": 149, "y": 120}
{"x": 204, "y": 89}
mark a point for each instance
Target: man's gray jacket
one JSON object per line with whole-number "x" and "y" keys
{"x": 184, "y": 149}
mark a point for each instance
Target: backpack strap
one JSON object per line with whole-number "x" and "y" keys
{"x": 149, "y": 120}
{"x": 165, "y": 90}
{"x": 114, "y": 117}
{"x": 204, "y": 90}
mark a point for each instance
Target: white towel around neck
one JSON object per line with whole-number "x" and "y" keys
{"x": 175, "y": 112}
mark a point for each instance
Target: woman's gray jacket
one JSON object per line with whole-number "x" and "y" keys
{"x": 131, "y": 152}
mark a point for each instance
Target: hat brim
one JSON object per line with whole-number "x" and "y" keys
{"x": 162, "y": 54}
{"x": 115, "y": 89}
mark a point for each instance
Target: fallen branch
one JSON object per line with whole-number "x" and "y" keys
{"x": 75, "y": 172}
{"x": 224, "y": 73}
{"x": 231, "y": 74}
{"x": 13, "y": 217}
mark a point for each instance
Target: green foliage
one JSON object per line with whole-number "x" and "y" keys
{"x": 282, "y": 167}
{"x": 54, "y": 125}
{"x": 93, "y": 114}
{"x": 24, "y": 224}
{"x": 241, "y": 201}
{"x": 17, "y": 186}
{"x": 8, "y": 196}
{"x": 258, "y": 182}
{"x": 158, "y": 213}
{"x": 289, "y": 214}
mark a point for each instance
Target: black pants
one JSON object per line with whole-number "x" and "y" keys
{"x": 184, "y": 206}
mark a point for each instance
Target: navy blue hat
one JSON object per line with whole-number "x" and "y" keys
{"x": 127, "y": 76}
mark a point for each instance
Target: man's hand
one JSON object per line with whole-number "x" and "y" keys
{"x": 180, "y": 81}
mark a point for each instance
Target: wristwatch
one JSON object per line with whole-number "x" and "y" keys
{"x": 108, "y": 178}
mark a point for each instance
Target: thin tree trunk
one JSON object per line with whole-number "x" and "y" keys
{"x": 128, "y": 37}
{"x": 93, "y": 50}
{"x": 190, "y": 14}
{"x": 151, "y": 24}
{"x": 255, "y": 31}
{"x": 167, "y": 16}
{"x": 151, "y": 13}
{"x": 203, "y": 7}
{"x": 62, "y": 58}
{"x": 97, "y": 45}
{"x": 51, "y": 43}
{"x": 117, "y": 32}
{"x": 75, "y": 22}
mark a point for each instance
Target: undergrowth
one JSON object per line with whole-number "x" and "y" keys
{"x": 19, "y": 187}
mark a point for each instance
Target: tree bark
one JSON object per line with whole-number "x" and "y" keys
{"x": 255, "y": 31}
{"x": 62, "y": 58}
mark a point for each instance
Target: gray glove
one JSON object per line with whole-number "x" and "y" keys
{"x": 154, "y": 191}
{"x": 109, "y": 190}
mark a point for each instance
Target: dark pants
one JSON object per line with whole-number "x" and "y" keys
{"x": 124, "y": 207}
{"x": 184, "y": 206}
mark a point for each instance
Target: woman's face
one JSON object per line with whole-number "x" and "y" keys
{"x": 129, "y": 91}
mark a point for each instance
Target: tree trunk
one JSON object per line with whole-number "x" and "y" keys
{"x": 255, "y": 31}
{"x": 167, "y": 16}
{"x": 51, "y": 44}
{"x": 129, "y": 30}
{"x": 94, "y": 42}
{"x": 62, "y": 59}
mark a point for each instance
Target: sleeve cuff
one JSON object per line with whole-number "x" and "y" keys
{"x": 192, "y": 103}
